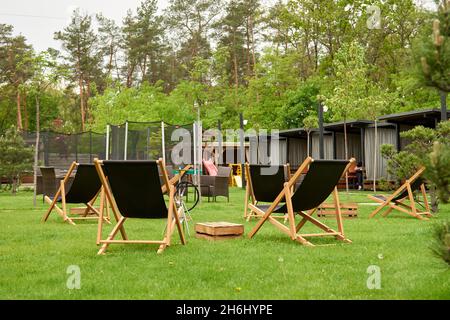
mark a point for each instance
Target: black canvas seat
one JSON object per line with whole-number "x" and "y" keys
{"x": 319, "y": 182}
{"x": 83, "y": 189}
{"x": 264, "y": 183}
{"x": 397, "y": 201}
{"x": 415, "y": 186}
{"x": 133, "y": 189}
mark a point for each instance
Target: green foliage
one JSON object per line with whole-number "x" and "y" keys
{"x": 350, "y": 80}
{"x": 433, "y": 50}
{"x": 438, "y": 162}
{"x": 15, "y": 157}
{"x": 300, "y": 104}
{"x": 438, "y": 170}
{"x": 401, "y": 165}
{"x": 441, "y": 245}
{"x": 383, "y": 185}
{"x": 311, "y": 121}
{"x": 429, "y": 148}
{"x": 148, "y": 103}
{"x": 228, "y": 57}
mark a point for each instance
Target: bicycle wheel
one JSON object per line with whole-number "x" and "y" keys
{"x": 183, "y": 188}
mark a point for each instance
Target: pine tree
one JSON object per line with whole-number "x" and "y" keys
{"x": 191, "y": 22}
{"x": 434, "y": 55}
{"x": 83, "y": 57}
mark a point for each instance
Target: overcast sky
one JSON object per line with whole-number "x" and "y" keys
{"x": 37, "y": 20}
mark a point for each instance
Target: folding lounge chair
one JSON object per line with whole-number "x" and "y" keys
{"x": 133, "y": 190}
{"x": 262, "y": 187}
{"x": 85, "y": 188}
{"x": 319, "y": 182}
{"x": 405, "y": 192}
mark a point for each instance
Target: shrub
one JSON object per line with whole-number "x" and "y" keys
{"x": 15, "y": 157}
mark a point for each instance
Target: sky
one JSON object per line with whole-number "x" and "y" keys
{"x": 37, "y": 20}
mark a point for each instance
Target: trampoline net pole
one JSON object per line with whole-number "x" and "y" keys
{"x": 126, "y": 142}
{"x": 163, "y": 141}
{"x": 107, "y": 142}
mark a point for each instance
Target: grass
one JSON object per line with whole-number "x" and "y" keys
{"x": 34, "y": 258}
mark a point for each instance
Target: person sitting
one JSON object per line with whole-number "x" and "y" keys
{"x": 359, "y": 171}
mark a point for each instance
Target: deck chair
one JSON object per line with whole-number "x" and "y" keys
{"x": 262, "y": 188}
{"x": 396, "y": 201}
{"x": 133, "y": 190}
{"x": 85, "y": 189}
{"x": 319, "y": 182}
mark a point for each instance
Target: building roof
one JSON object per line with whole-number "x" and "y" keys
{"x": 299, "y": 133}
{"x": 352, "y": 125}
{"x": 418, "y": 117}
{"x": 426, "y": 117}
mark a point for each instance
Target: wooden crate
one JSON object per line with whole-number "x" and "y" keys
{"x": 217, "y": 229}
{"x": 348, "y": 210}
{"x": 214, "y": 238}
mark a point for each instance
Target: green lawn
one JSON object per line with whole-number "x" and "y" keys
{"x": 34, "y": 258}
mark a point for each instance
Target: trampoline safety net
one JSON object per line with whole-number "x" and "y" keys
{"x": 128, "y": 141}
{"x": 60, "y": 150}
{"x": 149, "y": 141}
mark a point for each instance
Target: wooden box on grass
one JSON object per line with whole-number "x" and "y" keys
{"x": 348, "y": 210}
{"x": 218, "y": 230}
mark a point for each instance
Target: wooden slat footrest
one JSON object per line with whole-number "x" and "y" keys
{"x": 348, "y": 210}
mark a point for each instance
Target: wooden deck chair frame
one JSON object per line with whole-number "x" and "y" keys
{"x": 250, "y": 208}
{"x": 399, "y": 204}
{"x": 293, "y": 229}
{"x": 174, "y": 180}
{"x": 173, "y": 218}
{"x": 90, "y": 212}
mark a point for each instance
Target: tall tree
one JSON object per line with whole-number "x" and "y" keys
{"x": 15, "y": 68}
{"x": 191, "y": 21}
{"x": 109, "y": 36}
{"x": 143, "y": 45}
{"x": 350, "y": 86}
{"x": 434, "y": 53}
{"x": 231, "y": 34}
{"x": 83, "y": 56}
{"x": 46, "y": 73}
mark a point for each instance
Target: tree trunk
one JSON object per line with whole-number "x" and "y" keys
{"x": 130, "y": 76}
{"x": 82, "y": 109}
{"x": 375, "y": 157}
{"x": 111, "y": 55}
{"x": 26, "y": 122}
{"x": 19, "y": 111}
{"x": 345, "y": 152}
{"x": 236, "y": 80}
{"x": 443, "y": 105}
{"x": 36, "y": 148}
{"x": 14, "y": 185}
{"x": 87, "y": 114}
{"x": 434, "y": 199}
{"x": 247, "y": 35}
{"x": 252, "y": 34}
